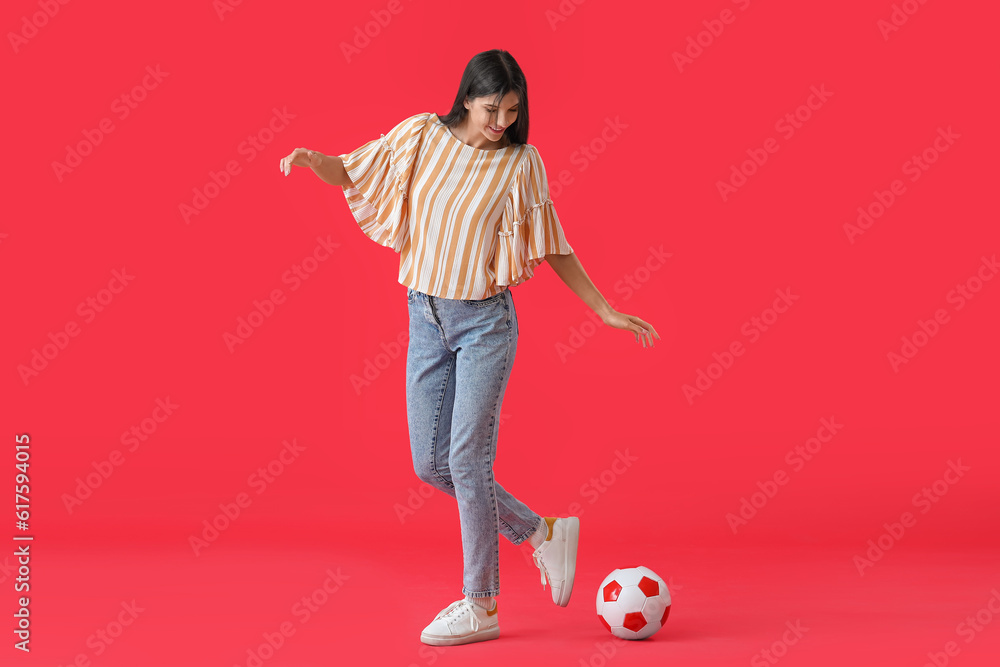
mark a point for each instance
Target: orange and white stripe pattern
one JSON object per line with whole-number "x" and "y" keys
{"x": 467, "y": 222}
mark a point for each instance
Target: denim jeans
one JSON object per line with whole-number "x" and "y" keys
{"x": 457, "y": 366}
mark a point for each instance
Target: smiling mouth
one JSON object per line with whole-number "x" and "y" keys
{"x": 495, "y": 130}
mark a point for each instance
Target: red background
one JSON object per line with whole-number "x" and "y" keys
{"x": 566, "y": 414}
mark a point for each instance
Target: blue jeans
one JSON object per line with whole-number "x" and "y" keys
{"x": 457, "y": 366}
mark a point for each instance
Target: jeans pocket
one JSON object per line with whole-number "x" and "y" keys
{"x": 483, "y": 303}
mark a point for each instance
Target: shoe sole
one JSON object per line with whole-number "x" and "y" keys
{"x": 572, "y": 542}
{"x": 484, "y": 635}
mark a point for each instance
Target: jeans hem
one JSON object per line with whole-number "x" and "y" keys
{"x": 491, "y": 593}
{"x": 521, "y": 538}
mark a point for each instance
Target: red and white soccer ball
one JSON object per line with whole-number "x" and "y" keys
{"x": 633, "y": 602}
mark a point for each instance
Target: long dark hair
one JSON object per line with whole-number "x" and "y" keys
{"x": 489, "y": 73}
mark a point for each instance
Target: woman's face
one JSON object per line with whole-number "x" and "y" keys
{"x": 489, "y": 119}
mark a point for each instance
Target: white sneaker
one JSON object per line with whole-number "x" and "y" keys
{"x": 462, "y": 622}
{"x": 556, "y": 557}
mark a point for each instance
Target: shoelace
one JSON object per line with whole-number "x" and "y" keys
{"x": 461, "y": 607}
{"x": 537, "y": 556}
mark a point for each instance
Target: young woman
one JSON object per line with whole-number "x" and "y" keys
{"x": 464, "y": 200}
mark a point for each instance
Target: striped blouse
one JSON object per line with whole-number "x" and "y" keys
{"x": 467, "y": 222}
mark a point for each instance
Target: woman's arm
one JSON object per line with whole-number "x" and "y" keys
{"x": 571, "y": 271}
{"x": 331, "y": 170}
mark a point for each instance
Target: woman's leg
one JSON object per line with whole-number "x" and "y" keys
{"x": 430, "y": 393}
{"x": 458, "y": 365}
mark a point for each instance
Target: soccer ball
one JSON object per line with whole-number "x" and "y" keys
{"x": 633, "y": 602}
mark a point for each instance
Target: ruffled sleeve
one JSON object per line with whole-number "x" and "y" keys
{"x": 381, "y": 171}
{"x": 529, "y": 228}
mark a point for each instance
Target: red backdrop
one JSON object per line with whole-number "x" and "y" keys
{"x": 800, "y": 198}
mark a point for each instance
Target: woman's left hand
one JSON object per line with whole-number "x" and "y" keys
{"x": 641, "y": 329}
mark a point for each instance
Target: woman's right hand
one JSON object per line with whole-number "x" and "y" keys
{"x": 301, "y": 157}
